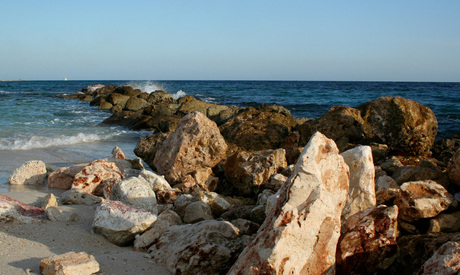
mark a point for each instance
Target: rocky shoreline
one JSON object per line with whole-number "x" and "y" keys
{"x": 244, "y": 190}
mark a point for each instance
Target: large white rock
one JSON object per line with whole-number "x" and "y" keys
{"x": 136, "y": 193}
{"x": 31, "y": 172}
{"x": 422, "y": 199}
{"x": 194, "y": 148}
{"x": 120, "y": 223}
{"x": 361, "y": 194}
{"x": 207, "y": 247}
{"x": 300, "y": 235}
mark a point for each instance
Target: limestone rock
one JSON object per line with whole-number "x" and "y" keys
{"x": 258, "y": 130}
{"x": 446, "y": 260}
{"x": 118, "y": 153}
{"x": 78, "y": 196}
{"x": 385, "y": 182}
{"x": 47, "y": 201}
{"x": 368, "y": 239}
{"x": 361, "y": 194}
{"x": 276, "y": 181}
{"x": 165, "y": 220}
{"x": 135, "y": 104}
{"x": 207, "y": 247}
{"x": 64, "y": 177}
{"x": 54, "y": 214}
{"x": 182, "y": 202}
{"x": 246, "y": 227}
{"x": 216, "y": 202}
{"x": 250, "y": 171}
{"x": 31, "y": 172}
{"x": 120, "y": 223}
{"x": 453, "y": 170}
{"x": 69, "y": 263}
{"x": 422, "y": 199}
{"x": 134, "y": 192}
{"x": 93, "y": 174}
{"x": 14, "y": 209}
{"x": 404, "y": 125}
{"x": 445, "y": 223}
{"x": 168, "y": 196}
{"x": 153, "y": 180}
{"x": 197, "y": 211}
{"x": 148, "y": 146}
{"x": 195, "y": 146}
{"x": 300, "y": 236}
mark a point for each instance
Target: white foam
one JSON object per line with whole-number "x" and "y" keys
{"x": 179, "y": 94}
{"x": 40, "y": 142}
{"x": 147, "y": 87}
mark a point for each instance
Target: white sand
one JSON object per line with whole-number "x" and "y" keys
{"x": 23, "y": 245}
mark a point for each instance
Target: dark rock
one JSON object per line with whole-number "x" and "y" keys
{"x": 127, "y": 90}
{"x": 147, "y": 147}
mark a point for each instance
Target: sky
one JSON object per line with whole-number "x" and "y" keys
{"x": 411, "y": 40}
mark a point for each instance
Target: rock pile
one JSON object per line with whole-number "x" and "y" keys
{"x": 255, "y": 190}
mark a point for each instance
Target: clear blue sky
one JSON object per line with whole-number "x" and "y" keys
{"x": 410, "y": 40}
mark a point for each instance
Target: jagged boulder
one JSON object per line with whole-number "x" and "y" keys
{"x": 120, "y": 223}
{"x": 207, "y": 247}
{"x": 361, "y": 194}
{"x": 193, "y": 149}
{"x": 299, "y": 236}
{"x": 404, "y": 125}
{"x": 31, "y": 172}
{"x": 368, "y": 239}
{"x": 250, "y": 171}
{"x": 147, "y": 147}
{"x": 93, "y": 174}
{"x": 445, "y": 260}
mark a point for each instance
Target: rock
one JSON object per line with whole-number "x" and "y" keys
{"x": 69, "y": 263}
{"x": 444, "y": 149}
{"x": 119, "y": 223}
{"x": 426, "y": 171}
{"x": 118, "y": 99}
{"x": 160, "y": 96}
{"x": 135, "y": 104}
{"x": 257, "y": 130}
{"x": 195, "y": 146}
{"x": 339, "y": 122}
{"x": 182, "y": 202}
{"x": 385, "y": 182}
{"x": 168, "y": 196}
{"x": 92, "y": 88}
{"x": 127, "y": 90}
{"x": 263, "y": 196}
{"x": 387, "y": 196}
{"x": 165, "y": 220}
{"x": 31, "y": 172}
{"x": 136, "y": 193}
{"x": 64, "y": 177}
{"x": 249, "y": 172}
{"x": 122, "y": 164}
{"x": 415, "y": 250}
{"x": 93, "y": 174}
{"x": 257, "y": 214}
{"x": 155, "y": 181}
{"x": 47, "y": 201}
{"x": 207, "y": 247}
{"x": 105, "y": 105}
{"x": 104, "y": 189}
{"x": 54, "y": 214}
{"x": 197, "y": 211}
{"x": 14, "y": 209}
{"x": 148, "y": 146}
{"x": 246, "y": 227}
{"x": 404, "y": 125}
{"x": 446, "y": 260}
{"x": 422, "y": 199}
{"x": 78, "y": 196}
{"x": 361, "y": 194}
{"x": 217, "y": 203}
{"x": 276, "y": 181}
{"x": 445, "y": 223}
{"x": 118, "y": 153}
{"x": 313, "y": 198}
{"x": 368, "y": 239}
{"x": 453, "y": 170}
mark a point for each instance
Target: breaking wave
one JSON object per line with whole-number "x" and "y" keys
{"x": 147, "y": 87}
{"x": 40, "y": 142}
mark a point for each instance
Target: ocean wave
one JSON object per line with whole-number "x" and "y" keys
{"x": 146, "y": 87}
{"x": 179, "y": 94}
{"x": 40, "y": 142}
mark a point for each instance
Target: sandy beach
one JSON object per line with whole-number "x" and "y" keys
{"x": 24, "y": 245}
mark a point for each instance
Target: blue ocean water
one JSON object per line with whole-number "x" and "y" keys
{"x": 36, "y": 124}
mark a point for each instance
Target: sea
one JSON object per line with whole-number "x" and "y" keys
{"x": 36, "y": 124}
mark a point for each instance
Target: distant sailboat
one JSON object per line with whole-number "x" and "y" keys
{"x": 65, "y": 78}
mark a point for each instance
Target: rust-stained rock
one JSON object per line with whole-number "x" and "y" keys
{"x": 250, "y": 172}
{"x": 93, "y": 174}
{"x": 368, "y": 239}
{"x": 300, "y": 236}
{"x": 194, "y": 147}
{"x": 11, "y": 208}
{"x": 422, "y": 199}
{"x": 64, "y": 177}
